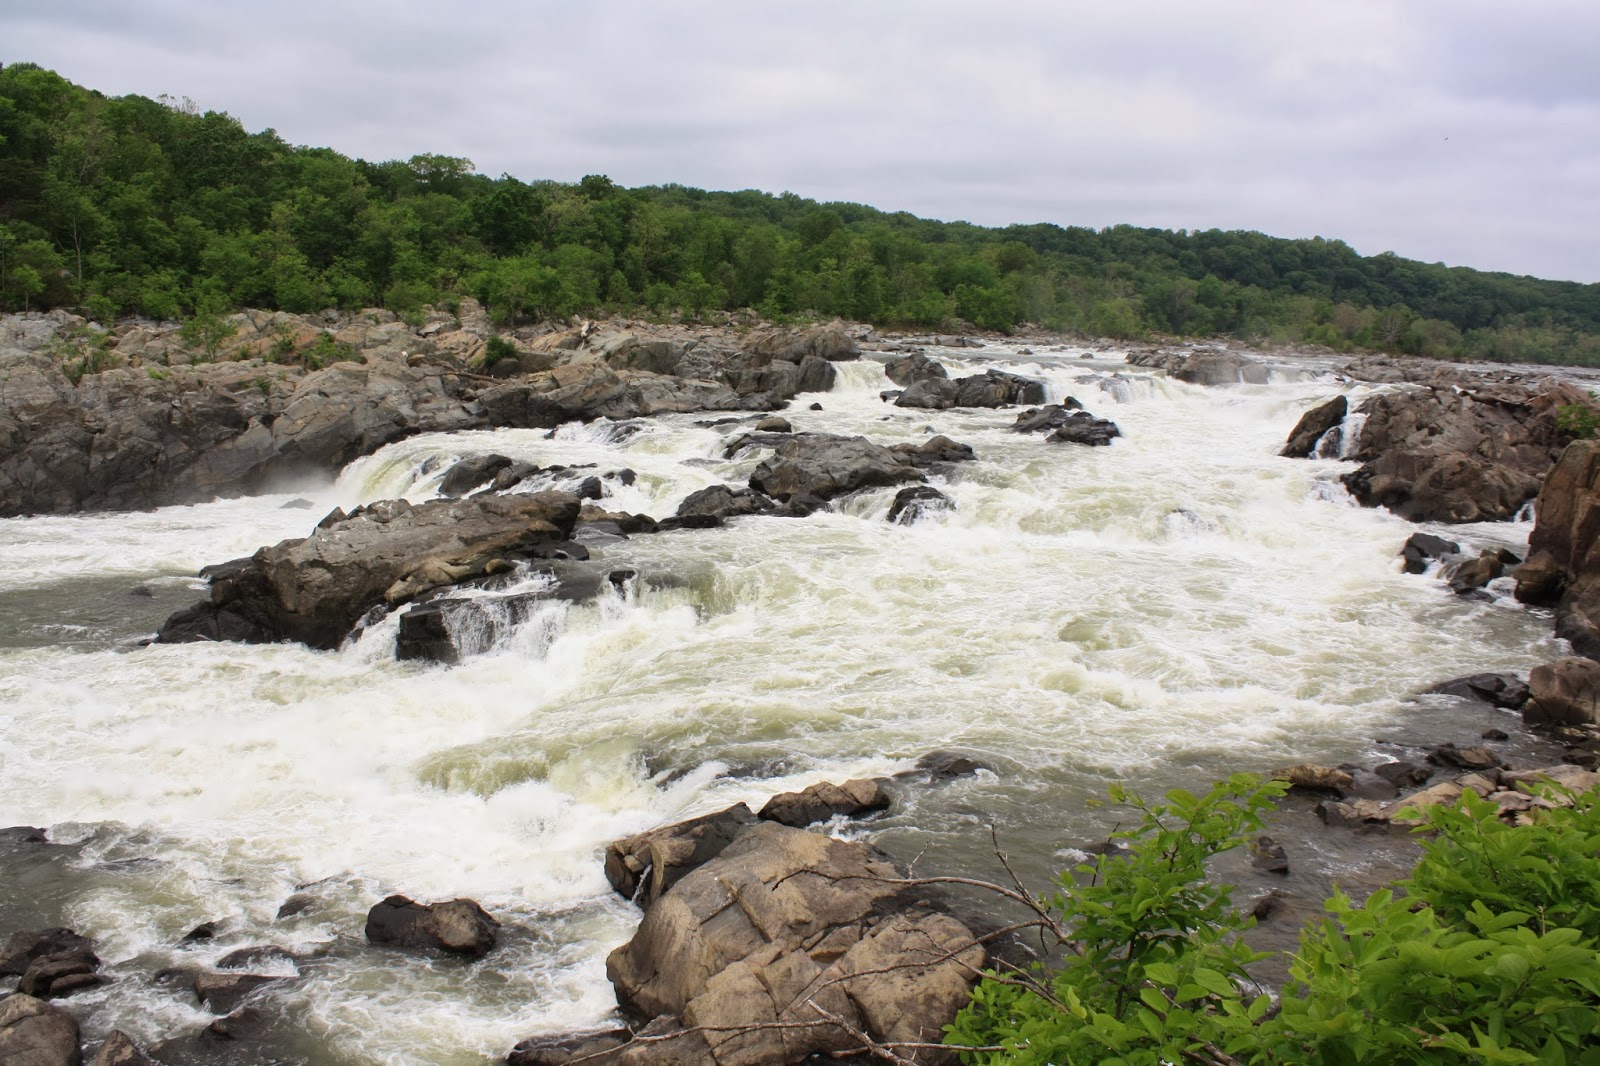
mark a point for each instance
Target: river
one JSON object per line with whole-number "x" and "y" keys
{"x": 1163, "y": 611}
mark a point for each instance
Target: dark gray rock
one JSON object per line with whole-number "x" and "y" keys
{"x": 1422, "y": 547}
{"x": 823, "y": 801}
{"x": 825, "y": 466}
{"x": 24, "y": 947}
{"x": 1313, "y": 424}
{"x": 1081, "y": 427}
{"x": 1474, "y": 574}
{"x": 459, "y": 926}
{"x": 470, "y": 473}
{"x": 907, "y": 369}
{"x": 1501, "y": 690}
{"x": 54, "y": 976}
{"x": 223, "y": 993}
{"x": 723, "y": 502}
{"x": 120, "y": 1050}
{"x": 916, "y": 502}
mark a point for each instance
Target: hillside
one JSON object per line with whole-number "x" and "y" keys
{"x": 126, "y": 205}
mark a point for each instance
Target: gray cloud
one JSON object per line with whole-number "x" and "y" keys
{"x": 1454, "y": 130}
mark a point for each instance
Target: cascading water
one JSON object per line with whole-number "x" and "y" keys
{"x": 1174, "y": 607}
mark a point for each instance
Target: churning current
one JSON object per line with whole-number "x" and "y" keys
{"x": 1174, "y": 607}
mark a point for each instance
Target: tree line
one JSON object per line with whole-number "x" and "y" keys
{"x": 127, "y": 205}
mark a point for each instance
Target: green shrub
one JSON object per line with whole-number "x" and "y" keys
{"x": 328, "y": 351}
{"x": 1579, "y": 419}
{"x": 1490, "y": 957}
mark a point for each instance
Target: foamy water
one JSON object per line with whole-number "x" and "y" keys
{"x": 1174, "y": 607}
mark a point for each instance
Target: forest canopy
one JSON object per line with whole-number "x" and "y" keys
{"x": 127, "y": 205}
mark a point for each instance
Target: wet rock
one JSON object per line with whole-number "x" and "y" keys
{"x": 1264, "y": 906}
{"x": 1364, "y": 784}
{"x": 826, "y": 466}
{"x": 261, "y": 955}
{"x": 1422, "y": 547}
{"x": 298, "y": 903}
{"x": 222, "y": 993}
{"x": 120, "y": 1050}
{"x": 1302, "y": 443}
{"x": 1268, "y": 855}
{"x": 916, "y": 502}
{"x": 942, "y": 766}
{"x": 1474, "y": 573}
{"x": 54, "y": 976}
{"x": 315, "y": 590}
{"x": 1403, "y": 775}
{"x": 470, "y": 473}
{"x": 1474, "y": 758}
{"x": 644, "y": 866}
{"x": 783, "y": 917}
{"x": 203, "y": 931}
{"x": 1083, "y": 428}
{"x": 1563, "y": 692}
{"x": 1541, "y": 580}
{"x": 1447, "y": 454}
{"x": 992, "y": 388}
{"x": 1563, "y": 565}
{"x": 823, "y": 801}
{"x": 774, "y": 424}
{"x": 560, "y": 1050}
{"x": 459, "y": 927}
{"x": 1203, "y": 367}
{"x": 722, "y": 502}
{"x": 934, "y": 452}
{"x": 915, "y": 367}
{"x": 1309, "y": 777}
{"x": 15, "y": 835}
{"x": 1501, "y": 690}
{"x": 24, "y": 947}
{"x": 1050, "y": 416}
{"x": 34, "y": 1033}
{"x": 1495, "y": 734}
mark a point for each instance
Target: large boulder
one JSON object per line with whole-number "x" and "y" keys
{"x": 1563, "y": 692}
{"x": 906, "y": 369}
{"x": 824, "y": 465}
{"x": 1203, "y": 367}
{"x": 34, "y": 1033}
{"x": 24, "y": 947}
{"x": 826, "y": 800}
{"x": 1563, "y": 565}
{"x": 781, "y": 923}
{"x": 992, "y": 388}
{"x": 1448, "y": 455}
{"x": 644, "y": 866}
{"x": 459, "y": 927}
{"x": 1302, "y": 443}
{"x": 316, "y": 589}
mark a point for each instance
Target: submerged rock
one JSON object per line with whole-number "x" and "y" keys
{"x": 916, "y": 502}
{"x": 1501, "y": 690}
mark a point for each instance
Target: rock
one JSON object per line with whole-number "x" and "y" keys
{"x": 53, "y": 976}
{"x": 992, "y": 388}
{"x": 907, "y": 369}
{"x": 34, "y": 1033}
{"x": 941, "y": 766}
{"x": 823, "y": 801}
{"x": 825, "y": 466}
{"x": 1203, "y": 367}
{"x": 203, "y": 931}
{"x": 1541, "y": 580}
{"x": 1267, "y": 904}
{"x": 1421, "y": 547}
{"x": 774, "y": 424}
{"x": 459, "y": 926}
{"x": 1563, "y": 692}
{"x": 916, "y": 502}
{"x": 264, "y": 954}
{"x": 1475, "y": 758}
{"x": 470, "y": 473}
{"x": 1443, "y": 454}
{"x": 315, "y": 590}
{"x": 24, "y": 947}
{"x": 15, "y": 835}
{"x": 1309, "y": 777}
{"x": 722, "y": 502}
{"x": 644, "y": 866}
{"x": 1564, "y": 549}
{"x": 1268, "y": 855}
{"x": 223, "y": 993}
{"x": 1302, "y": 443}
{"x": 1050, "y": 416}
{"x": 934, "y": 452}
{"x": 1574, "y": 779}
{"x": 298, "y": 903}
{"x": 829, "y": 342}
{"x": 1083, "y": 428}
{"x": 1474, "y": 573}
{"x": 784, "y": 916}
{"x": 559, "y": 1050}
{"x": 1501, "y": 690}
{"x": 120, "y": 1050}
{"x": 1403, "y": 774}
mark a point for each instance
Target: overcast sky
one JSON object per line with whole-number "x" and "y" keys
{"x": 1462, "y": 131}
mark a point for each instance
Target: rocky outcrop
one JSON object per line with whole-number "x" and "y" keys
{"x": 1202, "y": 367}
{"x": 1441, "y": 454}
{"x": 459, "y": 927}
{"x": 1302, "y": 443}
{"x": 1563, "y": 567}
{"x": 1563, "y": 692}
{"x": 316, "y": 589}
{"x": 34, "y": 1033}
{"x": 908, "y": 369}
{"x": 642, "y": 867}
{"x": 788, "y": 926}
{"x": 825, "y": 466}
{"x": 992, "y": 388}
{"x": 24, "y": 947}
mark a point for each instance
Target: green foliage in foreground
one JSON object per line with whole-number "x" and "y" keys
{"x": 118, "y": 205}
{"x": 1491, "y": 956}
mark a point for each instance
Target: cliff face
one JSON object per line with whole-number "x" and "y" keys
{"x": 1563, "y": 567}
{"x": 129, "y": 418}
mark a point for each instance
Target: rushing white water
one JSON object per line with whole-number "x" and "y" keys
{"x": 1179, "y": 605}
